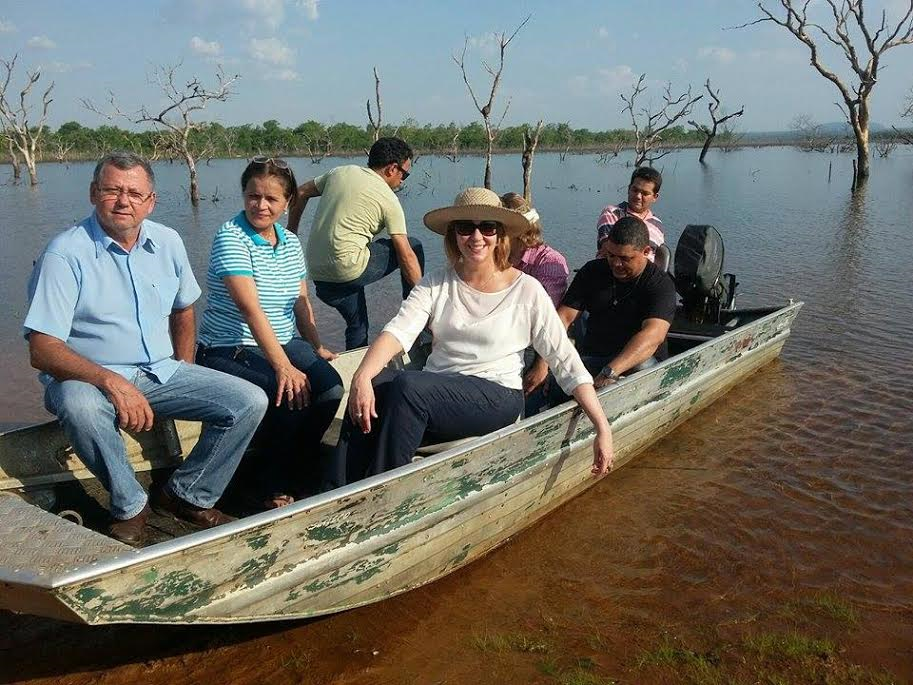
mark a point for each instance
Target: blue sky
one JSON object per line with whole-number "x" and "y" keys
{"x": 312, "y": 59}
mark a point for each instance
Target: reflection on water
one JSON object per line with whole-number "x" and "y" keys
{"x": 798, "y": 482}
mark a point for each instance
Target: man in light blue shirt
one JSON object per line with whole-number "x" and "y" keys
{"x": 111, "y": 327}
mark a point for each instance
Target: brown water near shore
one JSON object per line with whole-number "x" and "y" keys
{"x": 786, "y": 508}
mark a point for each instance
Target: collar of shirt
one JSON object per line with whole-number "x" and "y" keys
{"x": 254, "y": 236}
{"x": 530, "y": 254}
{"x": 104, "y": 242}
{"x": 624, "y": 208}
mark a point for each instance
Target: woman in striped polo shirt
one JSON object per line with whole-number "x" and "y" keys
{"x": 259, "y": 325}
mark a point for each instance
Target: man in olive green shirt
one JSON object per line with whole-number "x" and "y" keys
{"x": 343, "y": 256}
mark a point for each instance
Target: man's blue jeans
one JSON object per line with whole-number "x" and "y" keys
{"x": 229, "y": 407}
{"x": 349, "y": 298}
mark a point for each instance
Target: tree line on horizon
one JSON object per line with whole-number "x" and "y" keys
{"x": 73, "y": 141}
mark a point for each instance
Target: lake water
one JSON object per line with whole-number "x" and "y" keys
{"x": 793, "y": 491}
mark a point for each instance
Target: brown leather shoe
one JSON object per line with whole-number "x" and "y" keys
{"x": 130, "y": 531}
{"x": 163, "y": 502}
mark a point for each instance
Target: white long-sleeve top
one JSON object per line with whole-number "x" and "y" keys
{"x": 485, "y": 334}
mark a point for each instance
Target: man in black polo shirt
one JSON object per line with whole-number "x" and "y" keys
{"x": 631, "y": 304}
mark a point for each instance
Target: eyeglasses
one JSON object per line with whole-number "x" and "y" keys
{"x": 467, "y": 228}
{"x": 134, "y": 197}
{"x": 403, "y": 171}
{"x": 280, "y": 164}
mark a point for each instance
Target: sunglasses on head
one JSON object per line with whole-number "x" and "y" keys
{"x": 466, "y": 227}
{"x": 275, "y": 161}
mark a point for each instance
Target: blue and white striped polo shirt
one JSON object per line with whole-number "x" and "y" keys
{"x": 238, "y": 250}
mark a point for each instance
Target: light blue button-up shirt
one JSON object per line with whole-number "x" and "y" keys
{"x": 109, "y": 305}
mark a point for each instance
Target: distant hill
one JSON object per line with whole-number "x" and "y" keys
{"x": 841, "y": 128}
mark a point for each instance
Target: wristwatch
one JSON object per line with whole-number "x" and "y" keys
{"x": 609, "y": 373}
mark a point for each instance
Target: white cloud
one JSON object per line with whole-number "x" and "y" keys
{"x": 67, "y": 67}
{"x": 310, "y": 9}
{"x": 268, "y": 12}
{"x": 487, "y": 43}
{"x": 208, "y": 48}
{"x": 41, "y": 42}
{"x": 270, "y": 51}
{"x": 7, "y": 27}
{"x": 602, "y": 32}
{"x": 604, "y": 82}
{"x": 717, "y": 54}
{"x": 615, "y": 78}
{"x": 282, "y": 75}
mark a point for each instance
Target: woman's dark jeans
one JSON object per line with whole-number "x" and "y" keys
{"x": 415, "y": 407}
{"x": 288, "y": 440}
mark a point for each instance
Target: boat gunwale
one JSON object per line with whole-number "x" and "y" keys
{"x": 185, "y": 542}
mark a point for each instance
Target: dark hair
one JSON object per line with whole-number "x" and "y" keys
{"x": 533, "y": 236}
{"x": 629, "y": 230}
{"x": 501, "y": 252}
{"x": 258, "y": 169}
{"x": 388, "y": 151}
{"x": 648, "y": 173}
{"x": 124, "y": 161}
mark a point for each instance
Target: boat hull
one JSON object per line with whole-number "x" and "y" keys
{"x": 394, "y": 532}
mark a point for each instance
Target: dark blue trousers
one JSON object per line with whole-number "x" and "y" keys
{"x": 415, "y": 407}
{"x": 288, "y": 438}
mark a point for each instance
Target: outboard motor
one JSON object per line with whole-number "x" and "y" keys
{"x": 699, "y": 279}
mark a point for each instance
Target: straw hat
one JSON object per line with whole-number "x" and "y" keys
{"x": 477, "y": 204}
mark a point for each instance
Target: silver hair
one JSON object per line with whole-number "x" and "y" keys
{"x": 123, "y": 160}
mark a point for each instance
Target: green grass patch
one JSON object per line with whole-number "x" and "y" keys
{"x": 826, "y": 604}
{"x": 510, "y": 642}
{"x": 582, "y": 676}
{"x": 790, "y": 645}
{"x": 692, "y": 666}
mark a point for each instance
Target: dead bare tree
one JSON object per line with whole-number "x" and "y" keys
{"x": 710, "y": 130}
{"x": 530, "y": 143}
{"x": 375, "y": 125}
{"x": 906, "y": 136}
{"x": 863, "y": 52}
{"x": 810, "y": 136}
{"x": 175, "y": 119}
{"x": 318, "y": 147}
{"x": 491, "y": 130}
{"x": 14, "y": 158}
{"x": 649, "y": 126}
{"x": 885, "y": 145}
{"x": 61, "y": 150}
{"x": 22, "y": 132}
{"x": 453, "y": 154}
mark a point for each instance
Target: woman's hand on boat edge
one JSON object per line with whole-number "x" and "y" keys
{"x": 361, "y": 403}
{"x": 603, "y": 453}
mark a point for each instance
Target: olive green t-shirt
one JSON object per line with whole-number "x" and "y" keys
{"x": 355, "y": 205}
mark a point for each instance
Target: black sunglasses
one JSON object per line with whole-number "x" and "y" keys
{"x": 403, "y": 171}
{"x": 465, "y": 227}
{"x": 280, "y": 164}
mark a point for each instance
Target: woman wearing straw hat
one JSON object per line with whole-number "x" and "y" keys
{"x": 482, "y": 314}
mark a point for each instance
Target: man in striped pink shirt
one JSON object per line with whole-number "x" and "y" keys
{"x": 643, "y": 191}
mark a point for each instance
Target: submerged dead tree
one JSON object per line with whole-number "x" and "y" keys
{"x": 14, "y": 158}
{"x": 181, "y": 136}
{"x": 530, "y": 143}
{"x": 22, "y": 132}
{"x": 650, "y": 126}
{"x": 716, "y": 120}
{"x": 375, "y": 125}
{"x": 491, "y": 130}
{"x": 861, "y": 45}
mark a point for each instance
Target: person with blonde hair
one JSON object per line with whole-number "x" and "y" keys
{"x": 482, "y": 313}
{"x": 532, "y": 256}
